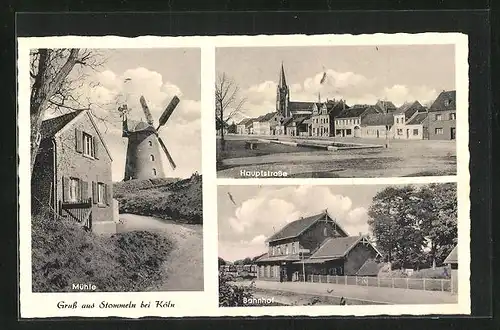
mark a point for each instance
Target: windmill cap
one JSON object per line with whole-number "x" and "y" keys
{"x": 141, "y": 126}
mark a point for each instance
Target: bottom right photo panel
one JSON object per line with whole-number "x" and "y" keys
{"x": 364, "y": 244}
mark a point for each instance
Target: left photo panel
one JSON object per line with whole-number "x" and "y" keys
{"x": 116, "y": 182}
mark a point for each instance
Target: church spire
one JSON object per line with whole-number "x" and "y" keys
{"x": 282, "y": 77}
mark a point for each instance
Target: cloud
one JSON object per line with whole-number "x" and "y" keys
{"x": 355, "y": 88}
{"x": 272, "y": 208}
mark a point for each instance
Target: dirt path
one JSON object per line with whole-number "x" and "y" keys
{"x": 185, "y": 264}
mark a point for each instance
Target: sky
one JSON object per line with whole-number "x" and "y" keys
{"x": 359, "y": 74}
{"x": 158, "y": 74}
{"x": 262, "y": 210}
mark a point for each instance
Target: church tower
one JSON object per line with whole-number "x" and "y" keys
{"x": 282, "y": 95}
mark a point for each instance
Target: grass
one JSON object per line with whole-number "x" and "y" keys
{"x": 178, "y": 200}
{"x": 63, "y": 254}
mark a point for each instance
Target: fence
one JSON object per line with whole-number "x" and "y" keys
{"x": 427, "y": 284}
{"x": 80, "y": 211}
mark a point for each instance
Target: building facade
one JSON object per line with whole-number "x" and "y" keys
{"x": 442, "y": 117}
{"x": 314, "y": 245}
{"x": 377, "y": 126}
{"x": 348, "y": 122}
{"x": 72, "y": 172}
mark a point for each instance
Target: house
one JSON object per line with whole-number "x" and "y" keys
{"x": 452, "y": 262}
{"x": 417, "y": 127}
{"x": 348, "y": 122}
{"x": 255, "y": 128}
{"x": 402, "y": 116}
{"x": 323, "y": 117}
{"x": 296, "y": 126}
{"x": 315, "y": 245}
{"x": 377, "y": 126}
{"x": 442, "y": 117}
{"x": 385, "y": 106}
{"x": 242, "y": 127}
{"x": 72, "y": 172}
{"x": 269, "y": 124}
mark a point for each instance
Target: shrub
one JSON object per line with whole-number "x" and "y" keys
{"x": 63, "y": 254}
{"x": 231, "y": 295}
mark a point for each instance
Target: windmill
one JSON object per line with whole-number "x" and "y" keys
{"x": 143, "y": 150}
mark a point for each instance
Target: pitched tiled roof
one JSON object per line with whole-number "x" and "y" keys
{"x": 409, "y": 108}
{"x": 244, "y": 121}
{"x": 287, "y": 121}
{"x": 352, "y": 112}
{"x": 369, "y": 268}
{"x": 385, "y": 106}
{"x": 336, "y": 247}
{"x": 293, "y": 229}
{"x": 300, "y": 119}
{"x": 299, "y": 105}
{"x": 267, "y": 116}
{"x": 51, "y": 126}
{"x": 445, "y": 101}
{"x": 418, "y": 119}
{"x": 377, "y": 119}
{"x": 452, "y": 258}
{"x": 336, "y": 106}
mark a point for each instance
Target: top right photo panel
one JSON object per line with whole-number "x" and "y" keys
{"x": 351, "y": 111}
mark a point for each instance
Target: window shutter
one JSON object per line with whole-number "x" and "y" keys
{"x": 65, "y": 188}
{"x": 95, "y": 140}
{"x": 84, "y": 190}
{"x": 94, "y": 192}
{"x": 108, "y": 194}
{"x": 78, "y": 140}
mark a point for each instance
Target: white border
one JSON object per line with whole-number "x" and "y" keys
{"x": 39, "y": 305}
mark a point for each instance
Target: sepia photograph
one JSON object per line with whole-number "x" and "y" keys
{"x": 337, "y": 245}
{"x": 336, "y": 111}
{"x": 116, "y": 188}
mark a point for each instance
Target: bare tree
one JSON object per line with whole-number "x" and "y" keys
{"x": 57, "y": 77}
{"x": 227, "y": 102}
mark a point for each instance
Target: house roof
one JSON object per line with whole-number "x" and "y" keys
{"x": 369, "y": 268}
{"x": 286, "y": 121}
{"x": 440, "y": 103}
{"x": 267, "y": 116}
{"x": 336, "y": 247}
{"x": 333, "y": 105}
{"x": 409, "y": 108}
{"x": 352, "y": 112}
{"x": 297, "y": 227}
{"x": 300, "y": 105}
{"x": 385, "y": 106}
{"x": 452, "y": 258}
{"x": 377, "y": 119}
{"x": 51, "y": 126}
{"x": 244, "y": 121}
{"x": 300, "y": 119}
{"x": 418, "y": 119}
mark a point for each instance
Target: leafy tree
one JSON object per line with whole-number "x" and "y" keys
{"x": 222, "y": 262}
{"x": 247, "y": 261}
{"x": 406, "y": 221}
{"x": 231, "y": 295}
{"x": 438, "y": 212}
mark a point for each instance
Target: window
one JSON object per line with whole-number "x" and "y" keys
{"x": 286, "y": 249}
{"x": 439, "y": 131}
{"x": 88, "y": 145}
{"x": 150, "y": 143}
{"x": 400, "y": 131}
{"x": 452, "y": 116}
{"x": 325, "y": 231}
{"x": 74, "y": 189}
{"x": 101, "y": 193}
{"x": 397, "y": 120}
{"x": 294, "y": 248}
{"x": 154, "y": 171}
{"x": 152, "y": 157}
{"x": 415, "y": 131}
{"x": 438, "y": 117}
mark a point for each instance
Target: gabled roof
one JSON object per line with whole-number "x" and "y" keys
{"x": 267, "y": 116}
{"x": 300, "y": 119}
{"x": 336, "y": 247}
{"x": 51, "y": 126}
{"x": 445, "y": 101}
{"x": 418, "y": 119}
{"x": 286, "y": 121}
{"x": 334, "y": 106}
{"x": 297, "y": 227}
{"x": 244, "y": 121}
{"x": 377, "y": 119}
{"x": 386, "y": 106}
{"x": 300, "y": 105}
{"x": 409, "y": 108}
{"x": 369, "y": 268}
{"x": 452, "y": 258}
{"x": 352, "y": 112}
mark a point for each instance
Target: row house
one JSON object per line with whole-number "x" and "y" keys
{"x": 296, "y": 126}
{"x": 348, "y": 122}
{"x": 243, "y": 126}
{"x": 378, "y": 126}
{"x": 315, "y": 245}
{"x": 385, "y": 106}
{"x": 323, "y": 117}
{"x": 402, "y": 116}
{"x": 442, "y": 117}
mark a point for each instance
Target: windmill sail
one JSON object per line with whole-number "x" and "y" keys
{"x": 147, "y": 113}
{"x": 168, "y": 110}
{"x": 170, "y": 159}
